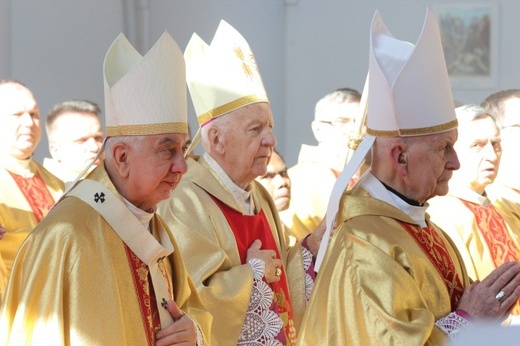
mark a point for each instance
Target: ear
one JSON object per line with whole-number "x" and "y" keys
{"x": 54, "y": 150}
{"x": 215, "y": 140}
{"x": 317, "y": 129}
{"x": 399, "y": 159}
{"x": 120, "y": 152}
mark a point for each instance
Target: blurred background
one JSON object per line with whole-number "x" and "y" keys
{"x": 304, "y": 48}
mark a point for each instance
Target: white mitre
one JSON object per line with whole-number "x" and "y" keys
{"x": 222, "y": 76}
{"x": 145, "y": 95}
{"x": 409, "y": 94}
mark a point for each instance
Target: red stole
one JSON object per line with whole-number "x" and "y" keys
{"x": 433, "y": 246}
{"x": 248, "y": 228}
{"x": 36, "y": 194}
{"x": 493, "y": 229}
{"x": 146, "y": 295}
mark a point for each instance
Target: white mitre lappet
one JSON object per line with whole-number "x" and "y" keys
{"x": 222, "y": 76}
{"x": 409, "y": 94}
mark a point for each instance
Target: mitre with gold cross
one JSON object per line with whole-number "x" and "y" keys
{"x": 222, "y": 76}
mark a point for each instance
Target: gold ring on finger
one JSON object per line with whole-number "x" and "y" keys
{"x": 278, "y": 271}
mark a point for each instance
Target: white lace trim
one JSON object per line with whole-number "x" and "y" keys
{"x": 309, "y": 283}
{"x": 258, "y": 268}
{"x": 452, "y": 324}
{"x": 261, "y": 325}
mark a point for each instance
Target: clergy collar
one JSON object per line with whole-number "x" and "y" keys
{"x": 467, "y": 194}
{"x": 241, "y": 196}
{"x": 144, "y": 217}
{"x": 20, "y": 167}
{"x": 378, "y": 190}
{"x": 401, "y": 196}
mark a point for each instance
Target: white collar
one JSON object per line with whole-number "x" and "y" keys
{"x": 379, "y": 191}
{"x": 241, "y": 196}
{"x": 144, "y": 217}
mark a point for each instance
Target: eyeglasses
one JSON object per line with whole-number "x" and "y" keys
{"x": 339, "y": 122}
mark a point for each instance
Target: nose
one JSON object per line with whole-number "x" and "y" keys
{"x": 269, "y": 139}
{"x": 26, "y": 119}
{"x": 453, "y": 161}
{"x": 179, "y": 165}
{"x": 93, "y": 145}
{"x": 279, "y": 181}
{"x": 490, "y": 152}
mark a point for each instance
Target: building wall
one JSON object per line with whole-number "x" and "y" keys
{"x": 304, "y": 48}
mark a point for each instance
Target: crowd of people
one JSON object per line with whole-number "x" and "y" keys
{"x": 128, "y": 238}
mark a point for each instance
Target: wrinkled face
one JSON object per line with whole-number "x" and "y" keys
{"x": 277, "y": 182}
{"x": 20, "y": 130}
{"x": 247, "y": 143}
{"x": 155, "y": 168}
{"x": 478, "y": 148}
{"x": 76, "y": 139}
{"x": 431, "y": 161}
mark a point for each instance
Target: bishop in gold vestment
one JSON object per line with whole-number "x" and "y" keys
{"x": 210, "y": 250}
{"x": 75, "y": 253}
{"x": 377, "y": 286}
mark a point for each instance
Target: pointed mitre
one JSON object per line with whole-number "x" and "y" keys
{"x": 409, "y": 91}
{"x": 145, "y": 95}
{"x": 409, "y": 94}
{"x": 222, "y": 76}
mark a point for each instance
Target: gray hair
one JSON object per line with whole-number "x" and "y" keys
{"x": 472, "y": 112}
{"x": 339, "y": 96}
{"x": 494, "y": 103}
{"x": 132, "y": 141}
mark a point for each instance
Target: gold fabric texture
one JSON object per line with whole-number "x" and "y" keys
{"x": 146, "y": 129}
{"x": 506, "y": 198}
{"x": 376, "y": 286}
{"x": 460, "y": 223}
{"x": 209, "y": 249}
{"x": 16, "y": 214}
{"x": 72, "y": 283}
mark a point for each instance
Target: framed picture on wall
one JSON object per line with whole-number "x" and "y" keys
{"x": 470, "y": 41}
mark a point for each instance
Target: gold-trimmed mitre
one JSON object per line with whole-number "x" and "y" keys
{"x": 222, "y": 76}
{"x": 145, "y": 95}
{"x": 409, "y": 90}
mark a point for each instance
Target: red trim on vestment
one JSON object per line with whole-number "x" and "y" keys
{"x": 36, "y": 193}
{"x": 145, "y": 295}
{"x": 248, "y": 228}
{"x": 433, "y": 246}
{"x": 493, "y": 229}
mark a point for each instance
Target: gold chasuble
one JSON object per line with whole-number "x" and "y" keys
{"x": 213, "y": 257}
{"x": 506, "y": 198}
{"x": 27, "y": 192}
{"x": 385, "y": 280}
{"x": 74, "y": 281}
{"x": 478, "y": 230}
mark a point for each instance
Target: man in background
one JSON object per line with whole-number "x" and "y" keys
{"x": 278, "y": 183}
{"x": 390, "y": 276}
{"x": 504, "y": 106}
{"x": 27, "y": 190}
{"x": 319, "y": 166}
{"x": 478, "y": 230}
{"x": 75, "y": 137}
